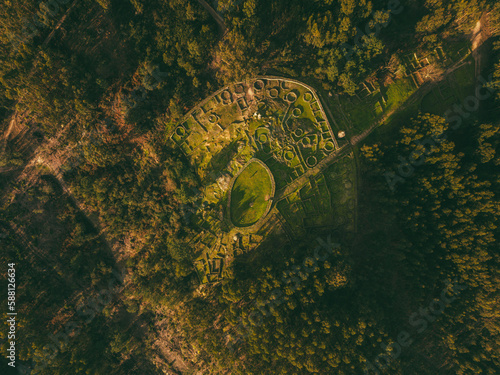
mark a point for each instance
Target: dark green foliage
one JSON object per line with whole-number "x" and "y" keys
{"x": 110, "y": 79}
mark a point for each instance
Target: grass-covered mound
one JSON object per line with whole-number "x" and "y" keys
{"x": 250, "y": 195}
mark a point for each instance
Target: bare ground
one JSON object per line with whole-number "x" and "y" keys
{"x": 480, "y": 34}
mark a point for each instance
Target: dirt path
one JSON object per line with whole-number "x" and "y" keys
{"x": 284, "y": 192}
{"x": 476, "y": 40}
{"x": 480, "y": 34}
{"x": 13, "y": 119}
{"x": 6, "y": 135}
{"x": 417, "y": 95}
{"x": 215, "y": 15}
{"x": 61, "y": 21}
{"x": 48, "y": 158}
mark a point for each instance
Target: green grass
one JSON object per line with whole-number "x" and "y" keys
{"x": 434, "y": 103}
{"x": 281, "y": 171}
{"x": 228, "y": 114}
{"x": 465, "y": 79}
{"x": 398, "y": 92}
{"x": 455, "y": 50}
{"x": 249, "y": 193}
{"x": 306, "y": 108}
{"x": 194, "y": 139}
{"x": 455, "y": 89}
{"x": 360, "y": 113}
{"x": 293, "y": 212}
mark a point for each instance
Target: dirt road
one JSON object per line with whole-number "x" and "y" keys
{"x": 215, "y": 15}
{"x": 480, "y": 34}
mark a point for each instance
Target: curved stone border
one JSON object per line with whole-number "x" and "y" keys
{"x": 329, "y": 149}
{"x": 296, "y": 112}
{"x": 265, "y": 140}
{"x": 313, "y": 163}
{"x": 291, "y": 97}
{"x": 256, "y": 79}
{"x": 260, "y": 88}
{"x": 269, "y": 203}
{"x": 252, "y": 83}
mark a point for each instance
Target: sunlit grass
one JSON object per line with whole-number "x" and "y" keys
{"x": 250, "y": 195}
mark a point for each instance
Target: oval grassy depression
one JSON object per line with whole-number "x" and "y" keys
{"x": 250, "y": 195}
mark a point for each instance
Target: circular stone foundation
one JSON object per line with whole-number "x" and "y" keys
{"x": 311, "y": 161}
{"x": 226, "y": 95}
{"x": 273, "y": 93}
{"x": 329, "y": 146}
{"x": 291, "y": 97}
{"x": 296, "y": 112}
{"x": 289, "y": 155}
{"x": 258, "y": 85}
{"x": 239, "y": 89}
{"x": 180, "y": 131}
{"x": 308, "y": 97}
{"x": 263, "y": 138}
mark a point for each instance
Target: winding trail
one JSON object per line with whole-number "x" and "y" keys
{"x": 480, "y": 34}
{"x": 416, "y": 96}
{"x": 13, "y": 119}
{"x": 215, "y": 15}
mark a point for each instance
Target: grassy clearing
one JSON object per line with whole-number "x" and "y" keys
{"x": 250, "y": 194}
{"x": 464, "y": 79}
{"x": 324, "y": 203}
{"x": 399, "y": 92}
{"x": 390, "y": 127}
{"x": 292, "y": 211}
{"x": 456, "y": 49}
{"x": 436, "y": 103}
{"x": 455, "y": 89}
{"x": 360, "y": 113}
{"x": 306, "y": 108}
